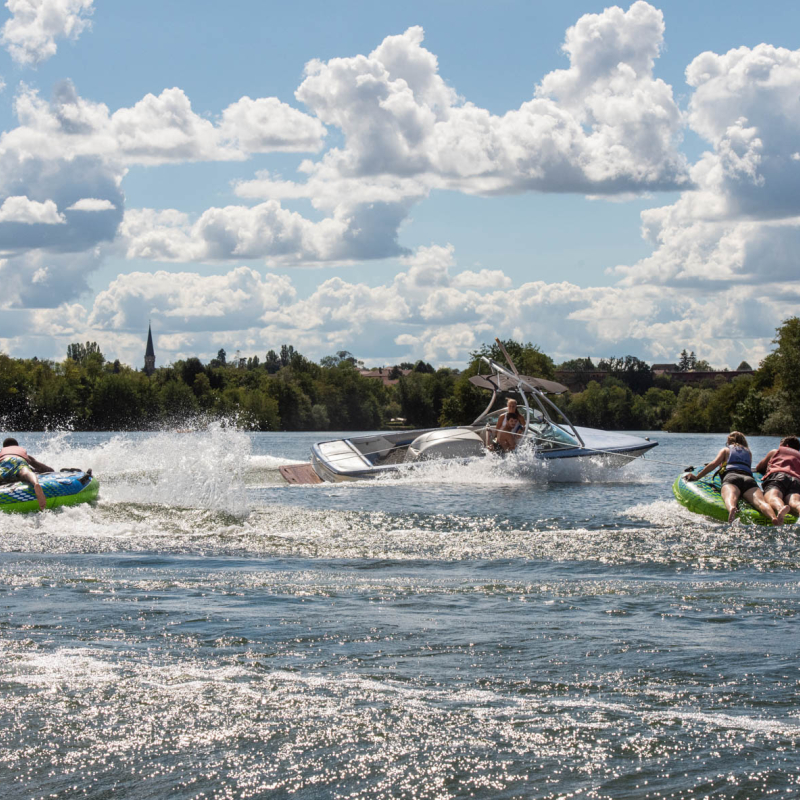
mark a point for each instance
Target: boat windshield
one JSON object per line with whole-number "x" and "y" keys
{"x": 548, "y": 436}
{"x": 490, "y": 420}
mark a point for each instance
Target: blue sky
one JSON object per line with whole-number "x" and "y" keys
{"x": 444, "y": 173}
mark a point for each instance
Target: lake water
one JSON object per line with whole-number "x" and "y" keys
{"x": 489, "y": 630}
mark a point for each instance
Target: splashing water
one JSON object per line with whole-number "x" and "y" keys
{"x": 521, "y": 467}
{"x": 193, "y": 469}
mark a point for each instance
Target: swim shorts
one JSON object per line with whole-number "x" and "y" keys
{"x": 10, "y": 467}
{"x": 744, "y": 483}
{"x": 785, "y": 484}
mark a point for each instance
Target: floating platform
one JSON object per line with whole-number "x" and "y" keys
{"x": 299, "y": 474}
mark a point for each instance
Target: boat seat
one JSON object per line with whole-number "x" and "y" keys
{"x": 446, "y": 443}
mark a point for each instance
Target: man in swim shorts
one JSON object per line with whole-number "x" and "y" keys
{"x": 17, "y": 465}
{"x": 781, "y": 471}
{"x": 510, "y": 426}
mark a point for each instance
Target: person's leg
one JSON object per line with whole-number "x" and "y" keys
{"x": 793, "y": 501}
{"x": 756, "y": 498}
{"x": 27, "y": 475}
{"x": 774, "y": 496}
{"x": 730, "y": 496}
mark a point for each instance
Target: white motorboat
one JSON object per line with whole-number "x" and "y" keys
{"x": 547, "y": 434}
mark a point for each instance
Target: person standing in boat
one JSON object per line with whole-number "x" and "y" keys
{"x": 16, "y": 464}
{"x": 781, "y": 470}
{"x": 738, "y": 480}
{"x": 510, "y": 426}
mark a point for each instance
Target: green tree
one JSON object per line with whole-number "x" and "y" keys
{"x": 272, "y": 363}
{"x": 287, "y": 353}
{"x": 189, "y": 370}
{"x": 652, "y": 409}
{"x": 464, "y": 404}
{"x": 319, "y": 417}
{"x": 527, "y": 358}
{"x": 80, "y": 352}
{"x": 691, "y": 412}
{"x": 787, "y": 357}
{"x": 751, "y": 412}
{"x": 633, "y": 372}
{"x": 260, "y": 411}
{"x": 577, "y": 365}
{"x": 424, "y": 368}
{"x": 221, "y": 360}
{"x": 114, "y": 404}
{"x": 178, "y": 401}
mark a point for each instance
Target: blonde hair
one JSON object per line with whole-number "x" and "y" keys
{"x": 734, "y": 437}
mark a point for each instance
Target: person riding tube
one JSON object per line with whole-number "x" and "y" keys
{"x": 738, "y": 480}
{"x": 16, "y": 464}
{"x": 781, "y": 471}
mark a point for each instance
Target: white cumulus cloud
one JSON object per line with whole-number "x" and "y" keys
{"x": 158, "y": 129}
{"x": 34, "y": 26}
{"x": 30, "y": 212}
{"x": 189, "y": 302}
{"x": 604, "y": 125}
{"x": 741, "y": 224}
{"x": 92, "y": 204}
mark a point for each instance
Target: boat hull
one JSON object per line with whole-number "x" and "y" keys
{"x": 341, "y": 460}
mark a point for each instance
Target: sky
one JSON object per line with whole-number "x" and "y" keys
{"x": 402, "y": 181}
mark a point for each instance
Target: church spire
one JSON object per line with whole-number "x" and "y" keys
{"x": 149, "y": 353}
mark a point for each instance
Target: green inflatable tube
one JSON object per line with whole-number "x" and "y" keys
{"x": 67, "y": 488}
{"x": 705, "y": 497}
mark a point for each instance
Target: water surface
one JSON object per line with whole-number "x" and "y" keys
{"x": 498, "y": 629}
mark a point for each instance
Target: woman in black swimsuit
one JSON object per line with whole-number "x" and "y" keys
{"x": 738, "y": 480}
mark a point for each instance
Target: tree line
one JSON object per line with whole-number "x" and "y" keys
{"x": 287, "y": 391}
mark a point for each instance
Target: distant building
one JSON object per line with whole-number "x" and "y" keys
{"x": 665, "y": 369}
{"x": 149, "y": 354}
{"x": 693, "y": 376}
{"x": 578, "y": 380}
{"x": 383, "y": 373}
{"x": 673, "y": 371}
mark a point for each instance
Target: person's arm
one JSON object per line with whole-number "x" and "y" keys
{"x": 38, "y": 466}
{"x": 764, "y": 463}
{"x": 721, "y": 458}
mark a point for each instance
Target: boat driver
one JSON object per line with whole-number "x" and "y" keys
{"x": 510, "y": 426}
{"x": 17, "y": 465}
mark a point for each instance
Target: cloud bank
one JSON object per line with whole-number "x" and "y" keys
{"x": 720, "y": 278}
